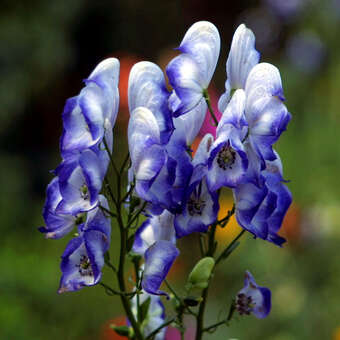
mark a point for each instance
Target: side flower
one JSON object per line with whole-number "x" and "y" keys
{"x": 253, "y": 299}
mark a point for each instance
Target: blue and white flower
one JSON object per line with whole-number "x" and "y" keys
{"x": 94, "y": 110}
{"x": 158, "y": 261}
{"x": 190, "y": 73}
{"x": 80, "y": 181}
{"x": 253, "y": 299}
{"x": 241, "y": 59}
{"x": 201, "y": 205}
{"x": 228, "y": 160}
{"x": 83, "y": 257}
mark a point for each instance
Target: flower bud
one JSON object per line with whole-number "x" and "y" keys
{"x": 200, "y": 275}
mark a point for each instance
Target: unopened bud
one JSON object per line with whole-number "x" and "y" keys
{"x": 200, "y": 275}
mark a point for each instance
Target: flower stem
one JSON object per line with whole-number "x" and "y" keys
{"x": 207, "y": 99}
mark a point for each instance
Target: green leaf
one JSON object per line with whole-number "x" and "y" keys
{"x": 143, "y": 309}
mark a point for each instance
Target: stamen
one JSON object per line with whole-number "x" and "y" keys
{"x": 195, "y": 205}
{"x": 84, "y": 266}
{"x": 244, "y": 304}
{"x": 226, "y": 157}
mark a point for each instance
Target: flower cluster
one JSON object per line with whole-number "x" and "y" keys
{"x": 73, "y": 196}
{"x": 182, "y": 191}
{"x": 179, "y": 191}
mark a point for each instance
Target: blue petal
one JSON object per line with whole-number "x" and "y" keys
{"x": 147, "y": 88}
{"x": 190, "y": 73}
{"x": 263, "y": 82}
{"x": 106, "y": 76}
{"x": 57, "y": 225}
{"x": 242, "y": 58}
{"x": 154, "y": 229}
{"x": 158, "y": 261}
{"x": 189, "y": 220}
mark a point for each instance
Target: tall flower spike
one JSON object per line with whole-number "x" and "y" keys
{"x": 253, "y": 298}
{"x": 147, "y": 88}
{"x": 86, "y": 115}
{"x": 190, "y": 73}
{"x": 241, "y": 59}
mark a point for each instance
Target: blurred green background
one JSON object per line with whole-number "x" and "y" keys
{"x": 48, "y": 47}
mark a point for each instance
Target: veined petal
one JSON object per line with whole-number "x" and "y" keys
{"x": 264, "y": 81}
{"x": 147, "y": 88}
{"x": 158, "y": 261}
{"x": 202, "y": 42}
{"x": 106, "y": 76}
{"x": 190, "y": 73}
{"x": 84, "y": 115}
{"x": 185, "y": 78}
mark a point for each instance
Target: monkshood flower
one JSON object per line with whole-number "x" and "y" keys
{"x": 87, "y": 116}
{"x": 260, "y": 210}
{"x": 158, "y": 261}
{"x": 201, "y": 205}
{"x": 228, "y": 160}
{"x": 83, "y": 257}
{"x": 80, "y": 180}
{"x": 241, "y": 59}
{"x": 147, "y": 88}
{"x": 190, "y": 73}
{"x": 155, "y": 240}
{"x": 152, "y": 169}
{"x": 57, "y": 225}
{"x": 155, "y": 315}
{"x": 154, "y": 229}
{"x": 266, "y": 115}
{"x": 253, "y": 299}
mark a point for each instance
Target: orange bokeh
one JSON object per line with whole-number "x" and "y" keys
{"x": 230, "y": 231}
{"x": 107, "y": 333}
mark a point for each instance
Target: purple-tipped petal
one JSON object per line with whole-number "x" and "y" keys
{"x": 158, "y": 261}
{"x": 190, "y": 73}
{"x": 147, "y": 88}
{"x": 242, "y": 58}
{"x": 253, "y": 298}
{"x": 154, "y": 229}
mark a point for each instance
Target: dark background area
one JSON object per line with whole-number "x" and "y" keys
{"x": 48, "y": 48}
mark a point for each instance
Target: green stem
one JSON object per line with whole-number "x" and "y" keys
{"x": 200, "y": 316}
{"x": 230, "y": 246}
{"x": 207, "y": 99}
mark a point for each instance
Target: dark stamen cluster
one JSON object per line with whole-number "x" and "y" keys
{"x": 84, "y": 266}
{"x": 226, "y": 157}
{"x": 196, "y": 206}
{"x": 244, "y": 304}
